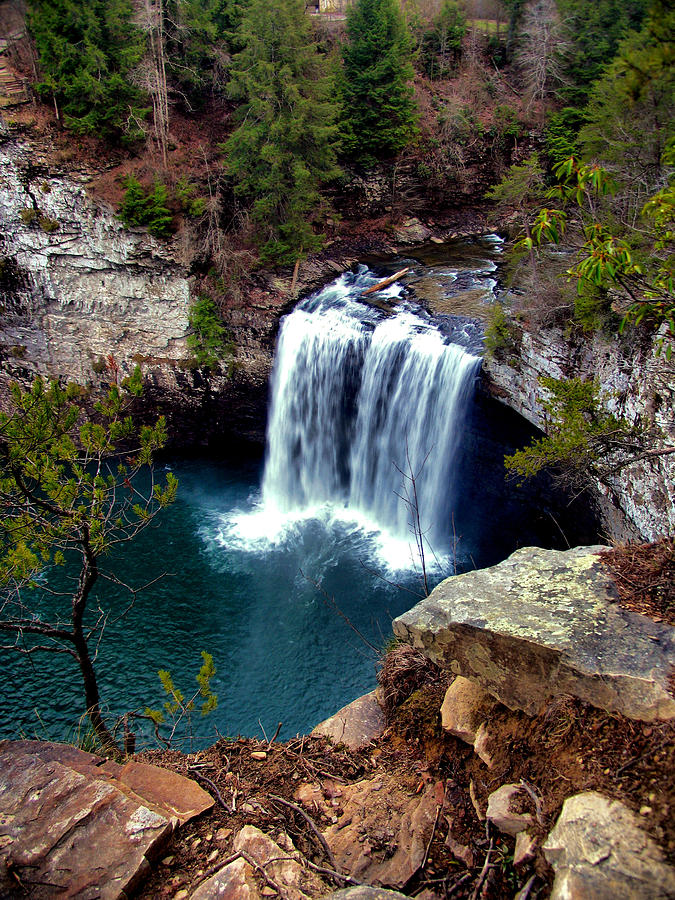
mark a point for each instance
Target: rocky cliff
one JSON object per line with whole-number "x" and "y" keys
{"x": 77, "y": 286}
{"x": 637, "y": 384}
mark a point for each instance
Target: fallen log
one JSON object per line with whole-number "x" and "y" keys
{"x": 387, "y": 281}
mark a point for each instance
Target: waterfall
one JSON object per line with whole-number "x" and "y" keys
{"x": 359, "y": 400}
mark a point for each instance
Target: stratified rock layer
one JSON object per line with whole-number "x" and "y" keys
{"x": 540, "y": 624}
{"x": 71, "y": 826}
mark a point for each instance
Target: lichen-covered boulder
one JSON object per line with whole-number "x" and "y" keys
{"x": 540, "y": 624}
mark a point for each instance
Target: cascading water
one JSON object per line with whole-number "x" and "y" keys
{"x": 360, "y": 402}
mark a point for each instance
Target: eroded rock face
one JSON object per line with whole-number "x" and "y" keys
{"x": 77, "y": 286}
{"x": 281, "y": 862}
{"x": 598, "y": 850}
{"x": 637, "y": 384}
{"x": 381, "y": 834}
{"x": 541, "y": 624}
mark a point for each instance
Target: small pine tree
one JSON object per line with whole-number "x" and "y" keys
{"x": 158, "y": 214}
{"x": 378, "y": 105}
{"x": 133, "y": 209}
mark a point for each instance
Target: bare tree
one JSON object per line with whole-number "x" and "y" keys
{"x": 151, "y": 74}
{"x": 540, "y": 51}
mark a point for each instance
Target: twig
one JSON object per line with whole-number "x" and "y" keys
{"x": 535, "y": 799}
{"x": 274, "y": 736}
{"x": 457, "y": 884}
{"x": 527, "y": 890}
{"x": 483, "y": 872}
{"x": 322, "y": 870}
{"x": 205, "y": 778}
{"x": 433, "y": 832}
{"x": 310, "y": 822}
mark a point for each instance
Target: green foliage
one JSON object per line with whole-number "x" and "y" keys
{"x": 68, "y": 495}
{"x": 562, "y": 134}
{"x": 606, "y": 261}
{"x": 441, "y": 46}
{"x": 177, "y": 708}
{"x": 283, "y": 149}
{"x": 191, "y": 49}
{"x": 146, "y": 208}
{"x": 86, "y": 52}
{"x": 579, "y": 435}
{"x": 521, "y": 186}
{"x": 379, "y": 116}
{"x": 629, "y": 115}
{"x": 193, "y": 206}
{"x": 593, "y": 31}
{"x": 500, "y": 336}
{"x": 209, "y": 341}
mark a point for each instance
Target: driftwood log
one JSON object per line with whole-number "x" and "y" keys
{"x": 387, "y": 281}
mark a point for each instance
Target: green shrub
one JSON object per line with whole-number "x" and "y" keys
{"x": 500, "y": 334}
{"x": 209, "y": 341}
{"x": 149, "y": 209}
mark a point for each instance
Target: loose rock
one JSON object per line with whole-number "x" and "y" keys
{"x": 500, "y": 814}
{"x": 598, "y": 850}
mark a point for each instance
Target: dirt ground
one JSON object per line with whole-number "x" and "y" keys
{"x": 570, "y": 748}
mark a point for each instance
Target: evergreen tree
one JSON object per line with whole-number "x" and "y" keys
{"x": 378, "y": 105}
{"x": 284, "y": 147}
{"x": 86, "y": 53}
{"x": 191, "y": 34}
{"x": 593, "y": 30}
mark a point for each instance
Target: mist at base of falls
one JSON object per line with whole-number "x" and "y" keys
{"x": 259, "y": 554}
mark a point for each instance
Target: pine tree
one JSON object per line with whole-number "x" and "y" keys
{"x": 86, "y": 53}
{"x": 378, "y": 106}
{"x": 284, "y": 147}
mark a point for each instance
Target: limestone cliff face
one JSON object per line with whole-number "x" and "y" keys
{"x": 76, "y": 286}
{"x": 637, "y": 384}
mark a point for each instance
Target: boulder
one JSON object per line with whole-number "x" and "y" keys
{"x": 464, "y": 713}
{"x": 598, "y": 850}
{"x": 500, "y": 812}
{"x": 356, "y": 724}
{"x": 281, "y": 863}
{"x": 68, "y": 834}
{"x": 382, "y": 830}
{"x": 540, "y": 624}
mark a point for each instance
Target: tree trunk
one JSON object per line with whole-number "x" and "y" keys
{"x": 88, "y": 577}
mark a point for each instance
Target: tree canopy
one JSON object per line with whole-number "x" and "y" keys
{"x": 86, "y": 53}
{"x": 284, "y": 146}
{"x": 378, "y": 117}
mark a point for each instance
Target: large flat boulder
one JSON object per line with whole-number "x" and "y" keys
{"x": 540, "y": 624}
{"x": 356, "y": 724}
{"x": 72, "y": 826}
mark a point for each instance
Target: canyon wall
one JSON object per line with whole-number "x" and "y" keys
{"x": 638, "y": 384}
{"x": 77, "y": 286}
